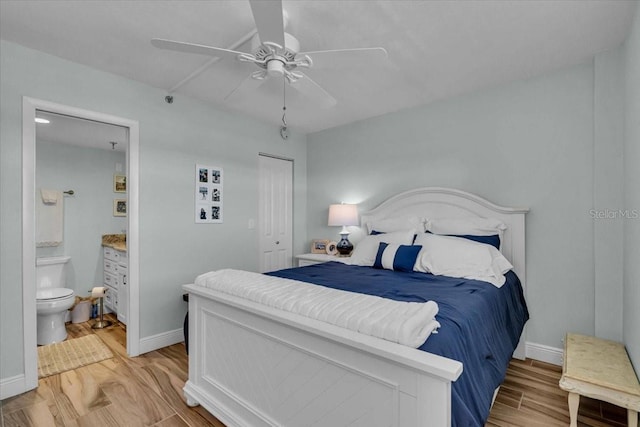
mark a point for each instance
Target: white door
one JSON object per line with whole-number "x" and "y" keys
{"x": 276, "y": 213}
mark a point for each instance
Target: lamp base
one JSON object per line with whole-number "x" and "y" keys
{"x": 344, "y": 246}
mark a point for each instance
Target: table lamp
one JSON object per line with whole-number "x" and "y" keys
{"x": 343, "y": 215}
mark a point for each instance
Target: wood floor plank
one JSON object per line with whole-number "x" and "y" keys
{"x": 172, "y": 421}
{"x": 614, "y": 413}
{"x": 48, "y": 395}
{"x": 509, "y": 397}
{"x": 21, "y": 401}
{"x": 107, "y": 416}
{"x": 36, "y": 415}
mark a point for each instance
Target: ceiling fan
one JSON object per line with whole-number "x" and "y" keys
{"x": 276, "y": 54}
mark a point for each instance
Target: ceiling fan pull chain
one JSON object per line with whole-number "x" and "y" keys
{"x": 284, "y": 101}
{"x": 284, "y": 133}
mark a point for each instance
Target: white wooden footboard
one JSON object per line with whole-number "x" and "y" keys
{"x": 251, "y": 365}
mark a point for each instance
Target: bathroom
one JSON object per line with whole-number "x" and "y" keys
{"x": 84, "y": 162}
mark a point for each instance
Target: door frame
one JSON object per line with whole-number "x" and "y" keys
{"x": 29, "y": 107}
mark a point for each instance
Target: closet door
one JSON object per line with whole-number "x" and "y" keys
{"x": 276, "y": 213}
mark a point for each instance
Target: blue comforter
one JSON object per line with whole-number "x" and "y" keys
{"x": 480, "y": 324}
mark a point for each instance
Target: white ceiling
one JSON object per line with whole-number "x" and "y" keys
{"x": 63, "y": 129}
{"x": 436, "y": 49}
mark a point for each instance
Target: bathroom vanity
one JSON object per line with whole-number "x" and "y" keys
{"x": 115, "y": 275}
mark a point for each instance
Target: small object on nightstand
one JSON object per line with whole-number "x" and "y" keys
{"x": 319, "y": 246}
{"x": 343, "y": 215}
{"x": 332, "y": 248}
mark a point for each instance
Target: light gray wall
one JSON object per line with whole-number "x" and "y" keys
{"x": 173, "y": 138}
{"x": 88, "y": 214}
{"x": 526, "y": 144}
{"x": 608, "y": 192}
{"x": 632, "y": 195}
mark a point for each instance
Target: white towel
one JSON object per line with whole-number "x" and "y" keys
{"x": 49, "y": 218}
{"x": 407, "y": 323}
{"x": 50, "y": 196}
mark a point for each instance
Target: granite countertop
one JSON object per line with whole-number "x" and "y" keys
{"x": 115, "y": 241}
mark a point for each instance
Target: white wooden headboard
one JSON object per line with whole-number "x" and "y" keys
{"x": 438, "y": 202}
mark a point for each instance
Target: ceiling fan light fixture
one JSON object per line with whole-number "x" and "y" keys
{"x": 275, "y": 68}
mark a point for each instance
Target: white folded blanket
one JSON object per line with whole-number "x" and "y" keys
{"x": 407, "y": 323}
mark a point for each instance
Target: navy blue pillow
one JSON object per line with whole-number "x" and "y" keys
{"x": 493, "y": 240}
{"x": 403, "y": 257}
{"x": 375, "y": 233}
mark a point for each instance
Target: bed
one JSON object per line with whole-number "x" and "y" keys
{"x": 255, "y": 365}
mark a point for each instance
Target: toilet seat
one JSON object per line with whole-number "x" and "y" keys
{"x": 53, "y": 294}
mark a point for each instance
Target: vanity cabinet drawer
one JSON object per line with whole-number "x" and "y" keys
{"x": 110, "y": 266}
{"x": 111, "y": 299}
{"x": 110, "y": 280}
{"x": 109, "y": 253}
{"x": 120, "y": 257}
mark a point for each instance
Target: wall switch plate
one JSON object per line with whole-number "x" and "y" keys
{"x": 252, "y": 224}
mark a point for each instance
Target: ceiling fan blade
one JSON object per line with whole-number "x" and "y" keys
{"x": 198, "y": 49}
{"x": 267, "y": 15}
{"x": 244, "y": 88}
{"x": 351, "y": 57}
{"x": 314, "y": 91}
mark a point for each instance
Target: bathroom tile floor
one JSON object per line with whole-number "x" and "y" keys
{"x": 122, "y": 391}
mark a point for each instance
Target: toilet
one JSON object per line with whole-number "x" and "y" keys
{"x": 53, "y": 300}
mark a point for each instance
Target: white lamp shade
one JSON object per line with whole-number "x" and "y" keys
{"x": 343, "y": 215}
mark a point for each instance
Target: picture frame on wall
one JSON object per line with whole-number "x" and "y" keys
{"x": 208, "y": 194}
{"x": 119, "y": 207}
{"x": 119, "y": 183}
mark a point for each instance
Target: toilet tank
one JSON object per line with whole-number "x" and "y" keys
{"x": 51, "y": 272}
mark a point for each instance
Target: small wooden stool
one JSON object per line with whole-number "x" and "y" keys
{"x": 599, "y": 369}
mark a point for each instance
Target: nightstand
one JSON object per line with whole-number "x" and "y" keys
{"x": 310, "y": 259}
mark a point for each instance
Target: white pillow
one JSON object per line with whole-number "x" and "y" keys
{"x": 474, "y": 226}
{"x": 390, "y": 225}
{"x": 458, "y": 257}
{"x": 366, "y": 250}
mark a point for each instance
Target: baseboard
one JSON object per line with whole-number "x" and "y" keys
{"x": 544, "y": 353}
{"x": 164, "y": 339}
{"x": 12, "y": 386}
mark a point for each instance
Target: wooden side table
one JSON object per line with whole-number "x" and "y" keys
{"x": 599, "y": 369}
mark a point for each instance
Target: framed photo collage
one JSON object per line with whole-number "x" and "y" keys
{"x": 208, "y": 194}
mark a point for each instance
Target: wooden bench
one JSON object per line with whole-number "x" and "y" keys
{"x": 599, "y": 369}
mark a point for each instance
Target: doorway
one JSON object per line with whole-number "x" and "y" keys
{"x": 130, "y": 169}
{"x": 275, "y": 212}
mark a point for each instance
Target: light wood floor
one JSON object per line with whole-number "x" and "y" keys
{"x": 122, "y": 391}
{"x": 147, "y": 390}
{"x": 530, "y": 396}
